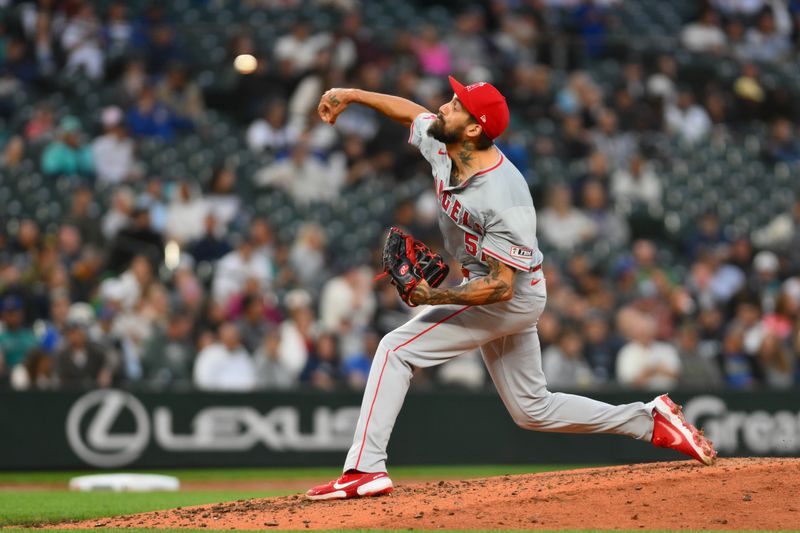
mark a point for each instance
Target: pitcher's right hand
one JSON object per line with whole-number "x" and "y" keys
{"x": 332, "y": 103}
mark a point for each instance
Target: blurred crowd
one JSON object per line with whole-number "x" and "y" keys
{"x": 171, "y": 285}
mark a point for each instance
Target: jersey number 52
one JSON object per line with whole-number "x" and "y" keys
{"x": 471, "y": 243}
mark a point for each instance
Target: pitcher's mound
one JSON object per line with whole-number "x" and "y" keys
{"x": 762, "y": 494}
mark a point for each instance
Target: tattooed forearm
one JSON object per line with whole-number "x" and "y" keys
{"x": 494, "y": 287}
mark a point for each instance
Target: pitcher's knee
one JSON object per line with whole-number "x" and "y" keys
{"x": 533, "y": 412}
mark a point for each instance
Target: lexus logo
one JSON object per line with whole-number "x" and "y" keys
{"x": 99, "y": 446}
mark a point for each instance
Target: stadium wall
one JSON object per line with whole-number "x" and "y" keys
{"x": 114, "y": 429}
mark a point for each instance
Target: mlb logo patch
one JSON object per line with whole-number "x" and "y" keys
{"x": 519, "y": 251}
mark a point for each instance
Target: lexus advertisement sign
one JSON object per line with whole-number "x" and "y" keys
{"x": 111, "y": 429}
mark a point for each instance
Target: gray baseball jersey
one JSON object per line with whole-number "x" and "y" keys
{"x": 489, "y": 214}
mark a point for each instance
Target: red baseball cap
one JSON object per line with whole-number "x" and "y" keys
{"x": 485, "y": 103}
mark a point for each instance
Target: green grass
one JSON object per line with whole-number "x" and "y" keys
{"x": 240, "y": 474}
{"x": 25, "y": 507}
{"x": 33, "y": 507}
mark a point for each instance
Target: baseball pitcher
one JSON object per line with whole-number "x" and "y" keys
{"x": 488, "y": 222}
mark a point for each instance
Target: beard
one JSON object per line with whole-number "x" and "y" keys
{"x": 438, "y": 131}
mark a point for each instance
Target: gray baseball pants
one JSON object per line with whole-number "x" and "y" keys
{"x": 506, "y": 334}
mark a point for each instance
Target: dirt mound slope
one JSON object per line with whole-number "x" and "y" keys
{"x": 748, "y": 494}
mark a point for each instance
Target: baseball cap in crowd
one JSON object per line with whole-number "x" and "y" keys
{"x": 485, "y": 103}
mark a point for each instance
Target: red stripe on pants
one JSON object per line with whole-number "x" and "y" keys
{"x": 380, "y": 377}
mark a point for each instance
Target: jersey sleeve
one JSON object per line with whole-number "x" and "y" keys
{"x": 510, "y": 237}
{"x": 418, "y": 135}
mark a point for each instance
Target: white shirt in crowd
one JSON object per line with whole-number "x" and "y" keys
{"x": 692, "y": 124}
{"x": 233, "y": 271}
{"x": 635, "y": 359}
{"x": 627, "y": 189}
{"x": 699, "y": 37}
{"x": 262, "y": 135}
{"x": 292, "y": 351}
{"x": 218, "y": 368}
{"x": 113, "y": 158}
{"x": 185, "y": 220}
{"x": 565, "y": 231}
{"x": 305, "y": 181}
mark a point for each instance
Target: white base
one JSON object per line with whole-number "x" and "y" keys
{"x": 125, "y": 483}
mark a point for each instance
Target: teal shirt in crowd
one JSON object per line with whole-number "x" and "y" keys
{"x": 59, "y": 158}
{"x": 14, "y": 345}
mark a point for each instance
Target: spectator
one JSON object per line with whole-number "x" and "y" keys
{"x": 119, "y": 215}
{"x": 81, "y": 40}
{"x": 662, "y": 83}
{"x": 736, "y": 365}
{"x": 113, "y": 152}
{"x": 636, "y": 186}
{"x": 531, "y": 93}
{"x": 119, "y": 34}
{"x": 647, "y": 363}
{"x": 766, "y": 42}
{"x": 750, "y": 93}
{"x": 610, "y": 226}
{"x": 162, "y": 48}
{"x": 433, "y": 55}
{"x": 601, "y": 346}
{"x": 705, "y": 236}
{"x": 307, "y": 256}
{"x": 296, "y": 332}
{"x": 16, "y": 339}
{"x": 302, "y": 176}
{"x": 186, "y": 214}
{"x": 41, "y": 126}
{"x": 233, "y": 271}
{"x": 270, "y": 372}
{"x": 776, "y": 362}
{"x": 564, "y": 363}
{"x": 68, "y": 155}
{"x": 273, "y": 132}
{"x": 347, "y": 298}
{"x": 782, "y": 146}
{"x": 52, "y": 339}
{"x": 225, "y": 365}
{"x": 299, "y": 48}
{"x": 563, "y": 226}
{"x": 34, "y": 373}
{"x": 467, "y": 48}
{"x": 152, "y": 199}
{"x": 222, "y": 199}
{"x": 617, "y": 146}
{"x": 149, "y": 117}
{"x": 705, "y": 34}
{"x": 181, "y": 95}
{"x": 687, "y": 120}
{"x": 698, "y": 371}
{"x": 209, "y": 247}
{"x": 81, "y": 363}
{"x": 168, "y": 354}
{"x": 252, "y": 325}
{"x": 356, "y": 367}
{"x": 136, "y": 239}
{"x": 322, "y": 370}
{"x": 575, "y": 143}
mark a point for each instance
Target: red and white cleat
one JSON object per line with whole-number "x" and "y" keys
{"x": 671, "y": 430}
{"x": 352, "y": 484}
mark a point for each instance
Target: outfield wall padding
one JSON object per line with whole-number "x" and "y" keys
{"x": 113, "y": 429}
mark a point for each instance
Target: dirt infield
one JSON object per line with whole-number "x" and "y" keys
{"x": 734, "y": 494}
